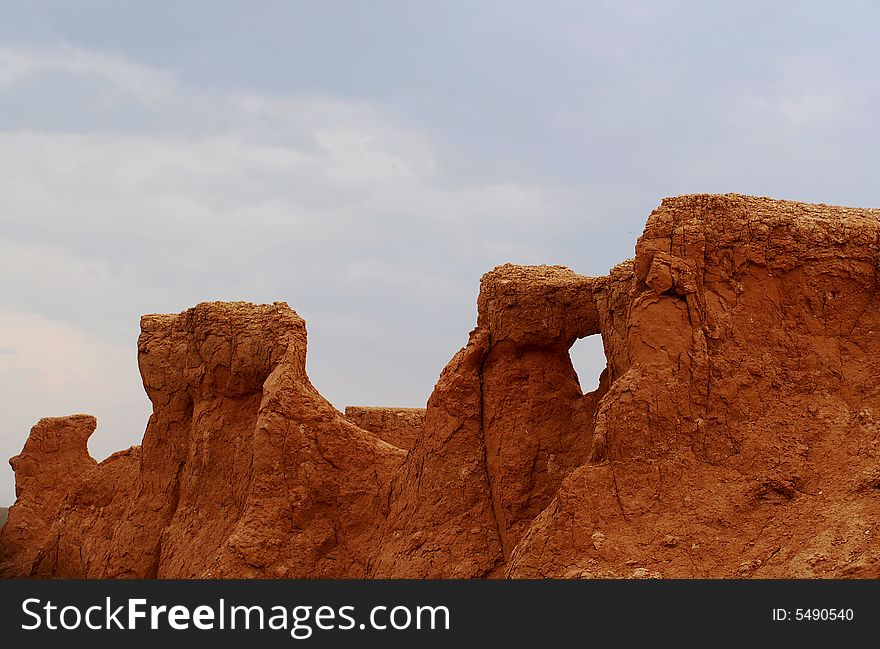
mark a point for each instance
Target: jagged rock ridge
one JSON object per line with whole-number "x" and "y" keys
{"x": 734, "y": 431}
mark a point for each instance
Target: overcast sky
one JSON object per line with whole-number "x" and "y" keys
{"x": 367, "y": 161}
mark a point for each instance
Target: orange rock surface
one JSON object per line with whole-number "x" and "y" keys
{"x": 398, "y": 426}
{"x": 735, "y": 431}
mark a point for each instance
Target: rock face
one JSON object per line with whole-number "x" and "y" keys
{"x": 739, "y": 436}
{"x": 735, "y": 431}
{"x": 55, "y": 459}
{"x": 398, "y": 426}
{"x": 506, "y": 422}
{"x": 245, "y": 470}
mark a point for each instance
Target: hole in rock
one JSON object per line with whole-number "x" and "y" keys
{"x": 588, "y": 358}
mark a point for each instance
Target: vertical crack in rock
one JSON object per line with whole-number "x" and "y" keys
{"x": 505, "y": 552}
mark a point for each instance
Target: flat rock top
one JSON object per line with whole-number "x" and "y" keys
{"x": 763, "y": 202}
{"x": 76, "y": 420}
{"x": 382, "y": 409}
{"x": 534, "y": 275}
{"x": 764, "y": 207}
{"x": 239, "y": 311}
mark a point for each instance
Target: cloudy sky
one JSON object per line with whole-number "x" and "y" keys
{"x": 368, "y": 161}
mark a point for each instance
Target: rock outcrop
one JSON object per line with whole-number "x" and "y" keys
{"x": 398, "y": 426}
{"x": 735, "y": 431}
{"x": 244, "y": 471}
{"x": 739, "y": 434}
{"x": 55, "y": 459}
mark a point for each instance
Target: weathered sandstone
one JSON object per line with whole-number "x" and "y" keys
{"x": 398, "y": 426}
{"x": 735, "y": 431}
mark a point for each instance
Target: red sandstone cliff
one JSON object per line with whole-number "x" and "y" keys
{"x": 734, "y": 432}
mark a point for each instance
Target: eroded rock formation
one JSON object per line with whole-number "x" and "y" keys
{"x": 55, "y": 459}
{"x": 735, "y": 431}
{"x": 245, "y": 470}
